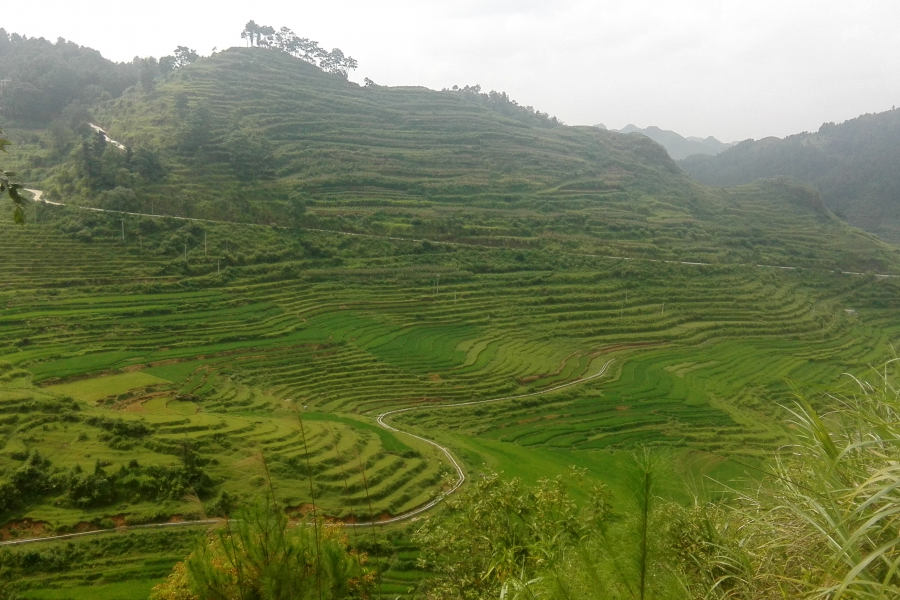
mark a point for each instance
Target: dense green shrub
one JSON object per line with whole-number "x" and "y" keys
{"x": 36, "y": 478}
{"x": 261, "y": 555}
{"x": 119, "y": 427}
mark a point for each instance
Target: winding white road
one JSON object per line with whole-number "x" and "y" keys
{"x": 460, "y": 473}
{"x": 38, "y": 197}
{"x": 109, "y": 140}
{"x": 380, "y": 419}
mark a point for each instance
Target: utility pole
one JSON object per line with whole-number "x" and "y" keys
{"x": 185, "y": 251}
{"x": 123, "y": 228}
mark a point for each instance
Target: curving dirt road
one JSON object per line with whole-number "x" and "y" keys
{"x": 109, "y": 140}
{"x": 460, "y": 473}
{"x": 380, "y": 419}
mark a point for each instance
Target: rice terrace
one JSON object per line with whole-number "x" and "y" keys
{"x": 362, "y": 303}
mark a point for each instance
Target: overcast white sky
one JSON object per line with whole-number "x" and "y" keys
{"x": 732, "y": 69}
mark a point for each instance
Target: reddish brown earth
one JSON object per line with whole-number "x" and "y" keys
{"x": 26, "y": 528}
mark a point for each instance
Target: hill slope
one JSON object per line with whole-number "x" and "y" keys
{"x": 855, "y": 165}
{"x": 256, "y": 135}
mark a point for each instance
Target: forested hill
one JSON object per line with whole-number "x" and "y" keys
{"x": 855, "y": 165}
{"x": 42, "y": 79}
{"x": 257, "y": 135}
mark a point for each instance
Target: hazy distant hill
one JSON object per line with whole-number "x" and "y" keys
{"x": 855, "y": 165}
{"x": 677, "y": 145}
{"x": 39, "y": 79}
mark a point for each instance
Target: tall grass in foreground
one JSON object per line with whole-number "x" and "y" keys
{"x": 618, "y": 555}
{"x": 825, "y": 523}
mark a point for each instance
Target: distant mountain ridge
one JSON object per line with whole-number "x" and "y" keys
{"x": 678, "y": 146}
{"x": 855, "y": 165}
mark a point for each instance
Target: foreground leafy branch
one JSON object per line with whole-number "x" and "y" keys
{"x": 11, "y": 189}
{"x": 260, "y": 555}
{"x": 504, "y": 539}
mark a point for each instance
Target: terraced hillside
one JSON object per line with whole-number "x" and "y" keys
{"x": 254, "y": 135}
{"x": 286, "y": 352}
{"x": 536, "y": 296}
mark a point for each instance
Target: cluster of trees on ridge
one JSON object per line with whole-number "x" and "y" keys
{"x": 265, "y": 36}
{"x": 76, "y": 487}
{"x": 37, "y": 478}
{"x": 502, "y": 103}
{"x": 38, "y": 79}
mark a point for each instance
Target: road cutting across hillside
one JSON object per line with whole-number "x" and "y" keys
{"x": 380, "y": 419}
{"x": 38, "y": 198}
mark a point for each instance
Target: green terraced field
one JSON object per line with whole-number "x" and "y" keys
{"x": 114, "y": 567}
{"x": 701, "y": 356}
{"x": 447, "y": 254}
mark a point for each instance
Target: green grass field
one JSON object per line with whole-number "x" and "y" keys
{"x": 111, "y": 591}
{"x": 97, "y": 388}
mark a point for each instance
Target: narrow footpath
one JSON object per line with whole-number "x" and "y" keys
{"x": 38, "y": 197}
{"x": 381, "y": 420}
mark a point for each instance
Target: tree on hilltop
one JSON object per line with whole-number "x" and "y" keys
{"x": 249, "y": 32}
{"x": 183, "y": 56}
{"x": 264, "y": 36}
{"x": 148, "y": 70}
{"x": 334, "y": 62}
{"x": 260, "y": 35}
